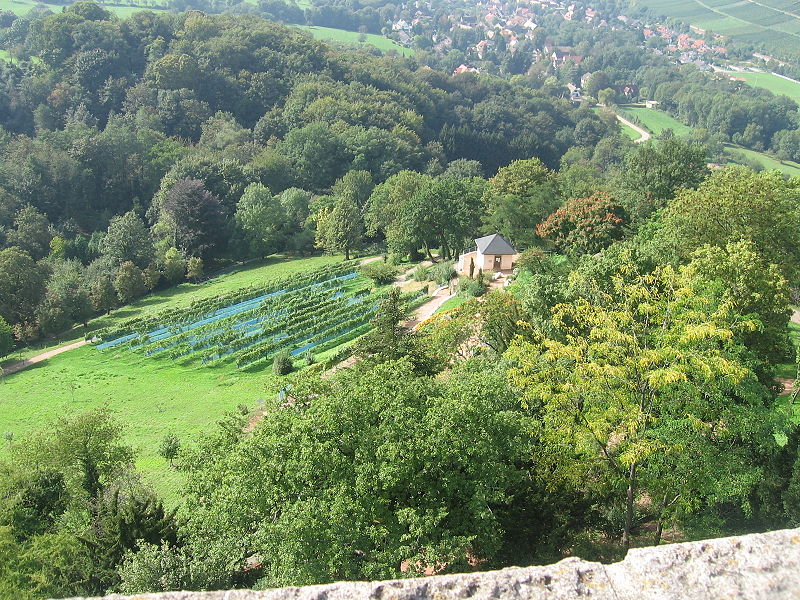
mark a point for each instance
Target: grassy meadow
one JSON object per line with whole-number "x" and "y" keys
{"x": 153, "y": 396}
{"x": 653, "y": 120}
{"x": 22, "y": 7}
{"x": 775, "y": 84}
{"x": 351, "y": 38}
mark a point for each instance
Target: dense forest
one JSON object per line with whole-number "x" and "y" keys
{"x": 620, "y": 392}
{"x": 161, "y": 138}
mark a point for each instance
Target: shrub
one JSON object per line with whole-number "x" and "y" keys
{"x": 421, "y": 273}
{"x": 194, "y": 269}
{"x": 380, "y": 272}
{"x": 470, "y": 288}
{"x": 442, "y": 272}
{"x": 170, "y": 447}
{"x": 282, "y": 363}
{"x": 309, "y": 358}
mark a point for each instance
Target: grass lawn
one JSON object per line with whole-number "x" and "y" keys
{"x": 773, "y": 83}
{"x": 654, "y": 120}
{"x": 153, "y": 396}
{"x": 351, "y": 38}
{"x": 787, "y": 167}
{"x": 453, "y": 302}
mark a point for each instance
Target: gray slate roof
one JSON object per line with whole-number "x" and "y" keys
{"x": 494, "y": 244}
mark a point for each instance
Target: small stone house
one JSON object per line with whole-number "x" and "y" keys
{"x": 493, "y": 254}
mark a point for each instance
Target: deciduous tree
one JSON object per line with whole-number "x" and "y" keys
{"x": 644, "y": 390}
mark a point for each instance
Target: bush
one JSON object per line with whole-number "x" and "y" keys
{"x": 470, "y": 288}
{"x": 282, "y": 363}
{"x": 194, "y": 269}
{"x": 442, "y": 272}
{"x": 380, "y": 272}
{"x": 170, "y": 447}
{"x": 309, "y": 358}
{"x": 421, "y": 273}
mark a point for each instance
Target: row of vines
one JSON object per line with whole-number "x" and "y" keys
{"x": 317, "y": 310}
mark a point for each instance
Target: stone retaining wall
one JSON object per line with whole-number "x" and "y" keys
{"x": 761, "y": 566}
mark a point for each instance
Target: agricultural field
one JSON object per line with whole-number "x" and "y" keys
{"x": 352, "y": 38}
{"x": 772, "y": 24}
{"x": 177, "y": 389}
{"x": 773, "y": 83}
{"x": 654, "y": 120}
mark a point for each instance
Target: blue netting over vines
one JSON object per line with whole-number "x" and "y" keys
{"x": 306, "y": 312}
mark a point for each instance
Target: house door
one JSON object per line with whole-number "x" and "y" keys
{"x": 497, "y": 260}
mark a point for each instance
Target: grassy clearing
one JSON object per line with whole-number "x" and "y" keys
{"x": 792, "y": 169}
{"x": 152, "y": 396}
{"x": 653, "y": 120}
{"x": 352, "y": 38}
{"x": 773, "y": 83}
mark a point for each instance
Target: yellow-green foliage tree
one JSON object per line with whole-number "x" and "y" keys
{"x": 642, "y": 392}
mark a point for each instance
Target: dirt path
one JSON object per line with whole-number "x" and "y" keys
{"x": 425, "y": 312}
{"x": 24, "y": 364}
{"x": 644, "y": 134}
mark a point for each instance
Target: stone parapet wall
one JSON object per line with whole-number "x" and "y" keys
{"x": 760, "y": 566}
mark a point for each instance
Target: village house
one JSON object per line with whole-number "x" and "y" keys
{"x": 465, "y": 69}
{"x": 492, "y": 254}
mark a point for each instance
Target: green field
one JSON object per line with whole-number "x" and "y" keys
{"x": 773, "y": 83}
{"x": 792, "y": 169}
{"x": 21, "y": 7}
{"x": 654, "y": 120}
{"x": 351, "y": 38}
{"x": 152, "y": 396}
